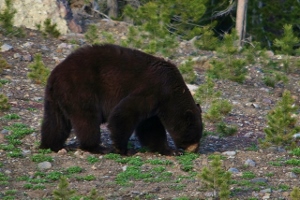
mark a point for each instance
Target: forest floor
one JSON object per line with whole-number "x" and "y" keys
{"x": 143, "y": 175}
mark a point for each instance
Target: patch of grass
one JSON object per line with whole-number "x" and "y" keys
{"x": 11, "y": 116}
{"x": 296, "y": 151}
{"x": 269, "y": 174}
{"x": 3, "y": 179}
{"x": 186, "y": 161}
{"x": 4, "y": 81}
{"x": 131, "y": 173}
{"x": 89, "y": 177}
{"x": 41, "y": 158}
{"x": 213, "y": 156}
{"x": 112, "y": 156}
{"x": 92, "y": 159}
{"x": 296, "y": 170}
{"x": 187, "y": 71}
{"x": 54, "y": 176}
{"x": 159, "y": 162}
{"x": 253, "y": 147}
{"x": 74, "y": 170}
{"x": 19, "y": 130}
{"x": 295, "y": 162}
{"x": 48, "y": 29}
{"x": 177, "y": 187}
{"x": 283, "y": 187}
{"x": 275, "y": 163}
{"x": 248, "y": 175}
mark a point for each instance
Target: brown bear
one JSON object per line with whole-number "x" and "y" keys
{"x": 131, "y": 90}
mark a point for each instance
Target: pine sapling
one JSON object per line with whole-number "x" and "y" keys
{"x": 216, "y": 179}
{"x": 295, "y": 194}
{"x": 63, "y": 192}
{"x": 288, "y": 41}
{"x": 4, "y": 105}
{"x": 39, "y": 72}
{"x": 281, "y": 123}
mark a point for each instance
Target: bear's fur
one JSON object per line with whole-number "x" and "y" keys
{"x": 129, "y": 89}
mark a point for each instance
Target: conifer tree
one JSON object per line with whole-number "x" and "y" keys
{"x": 288, "y": 40}
{"x": 63, "y": 192}
{"x": 216, "y": 178}
{"x": 281, "y": 123}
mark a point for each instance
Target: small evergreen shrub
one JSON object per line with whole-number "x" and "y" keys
{"x": 6, "y": 21}
{"x": 217, "y": 110}
{"x": 187, "y": 71}
{"x": 295, "y": 194}
{"x": 216, "y": 179}
{"x": 281, "y": 124}
{"x": 91, "y": 35}
{"x": 3, "y": 64}
{"x": 63, "y": 192}
{"x": 207, "y": 39}
{"x": 48, "y": 29}
{"x": 4, "y": 105}
{"x": 39, "y": 72}
{"x": 226, "y": 130}
{"x": 288, "y": 41}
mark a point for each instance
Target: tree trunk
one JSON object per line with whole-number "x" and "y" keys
{"x": 113, "y": 8}
{"x": 241, "y": 16}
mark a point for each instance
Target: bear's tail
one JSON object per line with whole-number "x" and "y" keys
{"x": 56, "y": 126}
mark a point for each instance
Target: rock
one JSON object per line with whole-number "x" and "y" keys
{"x": 32, "y": 12}
{"x": 4, "y": 132}
{"x": 62, "y": 152}
{"x": 268, "y": 190}
{"x": 229, "y": 153}
{"x": 259, "y": 180}
{"x": 6, "y": 47}
{"x": 291, "y": 175}
{"x": 26, "y": 152}
{"x": 297, "y": 135}
{"x": 233, "y": 170}
{"x": 249, "y": 134}
{"x": 44, "y": 165}
{"x": 17, "y": 56}
{"x": 250, "y": 162}
{"x": 27, "y": 58}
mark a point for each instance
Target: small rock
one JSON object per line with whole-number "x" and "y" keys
{"x": 124, "y": 168}
{"x": 259, "y": 180}
{"x": 250, "y": 162}
{"x": 62, "y": 152}
{"x": 7, "y": 172}
{"x": 229, "y": 153}
{"x": 4, "y": 132}
{"x": 268, "y": 190}
{"x": 27, "y": 45}
{"x": 17, "y": 56}
{"x": 297, "y": 135}
{"x": 266, "y": 196}
{"x": 233, "y": 170}
{"x": 249, "y": 134}
{"x": 26, "y": 152}
{"x": 291, "y": 175}
{"x": 255, "y": 105}
{"x": 6, "y": 47}
{"x": 27, "y": 58}
{"x": 37, "y": 98}
{"x": 44, "y": 165}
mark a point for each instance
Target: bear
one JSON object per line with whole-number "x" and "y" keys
{"x": 131, "y": 91}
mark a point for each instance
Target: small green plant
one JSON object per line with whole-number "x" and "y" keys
{"x": 226, "y": 130}
{"x": 274, "y": 78}
{"x": 186, "y": 161}
{"x": 4, "y": 105}
{"x": 295, "y": 162}
{"x": 281, "y": 123}
{"x": 3, "y": 65}
{"x": 187, "y": 71}
{"x": 74, "y": 170}
{"x": 248, "y": 175}
{"x": 269, "y": 174}
{"x": 206, "y": 92}
{"x": 91, "y": 35}
{"x": 159, "y": 162}
{"x": 48, "y": 29}
{"x": 41, "y": 158}
{"x": 11, "y": 116}
{"x": 92, "y": 159}
{"x": 63, "y": 192}
{"x": 39, "y": 72}
{"x": 131, "y": 173}
{"x": 295, "y": 194}
{"x": 296, "y": 170}
{"x": 296, "y": 152}
{"x": 288, "y": 41}
{"x": 217, "y": 110}
{"x": 207, "y": 40}
{"x": 216, "y": 178}
{"x": 3, "y": 179}
{"x": 283, "y": 187}
{"x": 108, "y": 37}
{"x": 6, "y": 20}
{"x": 54, "y": 176}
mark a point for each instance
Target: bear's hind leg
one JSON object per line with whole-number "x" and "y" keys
{"x": 152, "y": 134}
{"x": 87, "y": 129}
{"x": 55, "y": 127}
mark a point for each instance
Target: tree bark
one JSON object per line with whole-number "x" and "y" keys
{"x": 113, "y": 8}
{"x": 241, "y": 16}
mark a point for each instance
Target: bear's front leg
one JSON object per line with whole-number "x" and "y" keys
{"x": 123, "y": 120}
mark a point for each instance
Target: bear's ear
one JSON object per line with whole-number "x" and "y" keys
{"x": 189, "y": 116}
